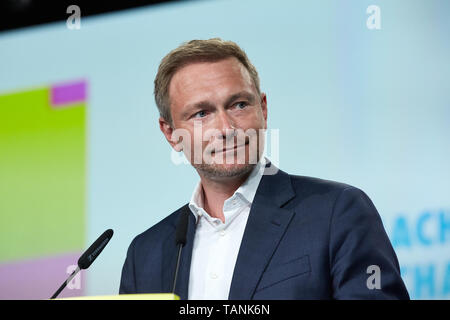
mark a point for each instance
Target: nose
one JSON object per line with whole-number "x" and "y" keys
{"x": 225, "y": 125}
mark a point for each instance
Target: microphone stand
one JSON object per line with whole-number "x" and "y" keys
{"x": 74, "y": 273}
{"x": 180, "y": 241}
{"x": 180, "y": 248}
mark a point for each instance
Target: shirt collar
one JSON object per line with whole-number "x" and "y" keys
{"x": 247, "y": 190}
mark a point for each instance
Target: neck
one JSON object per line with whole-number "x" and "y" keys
{"x": 216, "y": 191}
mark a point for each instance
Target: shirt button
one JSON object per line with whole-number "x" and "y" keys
{"x": 213, "y": 275}
{"x": 222, "y": 233}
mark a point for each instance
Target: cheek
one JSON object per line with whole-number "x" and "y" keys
{"x": 262, "y": 120}
{"x": 195, "y": 143}
{"x": 255, "y": 119}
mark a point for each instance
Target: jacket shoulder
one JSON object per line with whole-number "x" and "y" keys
{"x": 317, "y": 193}
{"x": 311, "y": 185}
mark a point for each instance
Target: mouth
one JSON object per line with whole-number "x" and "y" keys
{"x": 224, "y": 150}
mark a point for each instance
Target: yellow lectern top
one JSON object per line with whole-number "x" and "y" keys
{"x": 142, "y": 296}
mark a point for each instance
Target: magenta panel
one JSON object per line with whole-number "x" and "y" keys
{"x": 67, "y": 93}
{"x": 39, "y": 278}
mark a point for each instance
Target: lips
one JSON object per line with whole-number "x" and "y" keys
{"x": 230, "y": 149}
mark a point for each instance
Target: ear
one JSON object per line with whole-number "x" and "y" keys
{"x": 264, "y": 108}
{"x": 167, "y": 129}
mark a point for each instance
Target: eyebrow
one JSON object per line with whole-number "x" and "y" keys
{"x": 243, "y": 94}
{"x": 196, "y": 106}
{"x": 208, "y": 105}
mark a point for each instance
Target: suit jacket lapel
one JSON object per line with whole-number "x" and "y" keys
{"x": 265, "y": 227}
{"x": 169, "y": 259}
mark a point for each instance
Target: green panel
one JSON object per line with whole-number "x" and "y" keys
{"x": 42, "y": 176}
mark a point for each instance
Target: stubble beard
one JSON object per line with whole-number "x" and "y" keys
{"x": 224, "y": 170}
{"x": 218, "y": 171}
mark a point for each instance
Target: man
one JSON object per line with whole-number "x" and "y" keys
{"x": 253, "y": 233}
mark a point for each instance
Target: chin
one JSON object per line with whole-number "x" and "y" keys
{"x": 224, "y": 170}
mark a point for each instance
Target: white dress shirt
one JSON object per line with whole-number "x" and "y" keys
{"x": 216, "y": 244}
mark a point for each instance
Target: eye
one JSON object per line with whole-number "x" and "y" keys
{"x": 200, "y": 114}
{"x": 241, "y": 105}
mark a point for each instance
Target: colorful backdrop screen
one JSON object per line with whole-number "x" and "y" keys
{"x": 42, "y": 187}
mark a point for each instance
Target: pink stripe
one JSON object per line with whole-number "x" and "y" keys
{"x": 68, "y": 93}
{"x": 38, "y": 278}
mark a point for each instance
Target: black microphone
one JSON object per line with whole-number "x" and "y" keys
{"x": 180, "y": 241}
{"x": 88, "y": 257}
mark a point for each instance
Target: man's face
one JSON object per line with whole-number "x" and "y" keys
{"x": 218, "y": 105}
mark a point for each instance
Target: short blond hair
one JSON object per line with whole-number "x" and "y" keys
{"x": 210, "y": 50}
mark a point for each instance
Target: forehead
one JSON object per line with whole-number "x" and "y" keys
{"x": 208, "y": 80}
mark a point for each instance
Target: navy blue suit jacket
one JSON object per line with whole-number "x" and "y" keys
{"x": 306, "y": 238}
